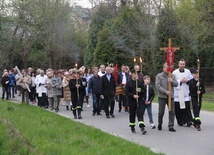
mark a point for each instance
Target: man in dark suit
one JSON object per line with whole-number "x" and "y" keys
{"x": 108, "y": 90}
{"x": 123, "y": 77}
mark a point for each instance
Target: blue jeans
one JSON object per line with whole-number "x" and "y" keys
{"x": 149, "y": 111}
{"x": 96, "y": 103}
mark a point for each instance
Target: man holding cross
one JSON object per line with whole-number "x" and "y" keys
{"x": 181, "y": 95}
{"x": 162, "y": 82}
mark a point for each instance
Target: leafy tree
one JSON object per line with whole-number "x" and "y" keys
{"x": 105, "y": 52}
{"x": 98, "y": 20}
{"x": 167, "y": 27}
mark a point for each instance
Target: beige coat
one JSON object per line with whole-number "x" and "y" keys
{"x": 66, "y": 89}
{"x": 26, "y": 79}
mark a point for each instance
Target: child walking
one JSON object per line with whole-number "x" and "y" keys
{"x": 149, "y": 96}
{"x": 197, "y": 89}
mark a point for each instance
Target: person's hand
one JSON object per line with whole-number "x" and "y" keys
{"x": 136, "y": 96}
{"x": 138, "y": 90}
{"x": 184, "y": 80}
{"x": 168, "y": 93}
{"x": 77, "y": 85}
{"x": 147, "y": 102}
{"x": 198, "y": 84}
{"x": 169, "y": 79}
{"x": 198, "y": 92}
{"x": 101, "y": 96}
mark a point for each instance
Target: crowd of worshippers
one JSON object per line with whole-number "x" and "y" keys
{"x": 73, "y": 87}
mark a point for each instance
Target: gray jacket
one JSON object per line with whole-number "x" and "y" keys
{"x": 161, "y": 83}
{"x": 56, "y": 84}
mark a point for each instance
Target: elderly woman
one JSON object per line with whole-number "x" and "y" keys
{"x": 50, "y": 89}
{"x": 56, "y": 84}
{"x": 66, "y": 89}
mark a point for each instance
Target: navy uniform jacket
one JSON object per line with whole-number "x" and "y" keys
{"x": 193, "y": 88}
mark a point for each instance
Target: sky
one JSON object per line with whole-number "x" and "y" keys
{"x": 83, "y": 3}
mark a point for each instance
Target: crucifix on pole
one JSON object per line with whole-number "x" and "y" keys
{"x": 170, "y": 55}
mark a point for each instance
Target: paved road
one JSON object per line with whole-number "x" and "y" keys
{"x": 186, "y": 141}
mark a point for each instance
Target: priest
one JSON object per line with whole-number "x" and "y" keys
{"x": 181, "y": 95}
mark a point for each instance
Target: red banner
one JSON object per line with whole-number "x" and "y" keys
{"x": 170, "y": 54}
{"x": 115, "y": 73}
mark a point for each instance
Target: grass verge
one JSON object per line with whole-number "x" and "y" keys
{"x": 26, "y": 129}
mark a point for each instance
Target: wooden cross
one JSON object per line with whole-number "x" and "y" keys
{"x": 170, "y": 52}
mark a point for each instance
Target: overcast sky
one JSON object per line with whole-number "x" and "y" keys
{"x": 83, "y": 3}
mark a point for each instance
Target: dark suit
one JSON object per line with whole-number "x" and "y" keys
{"x": 108, "y": 90}
{"x": 122, "y": 97}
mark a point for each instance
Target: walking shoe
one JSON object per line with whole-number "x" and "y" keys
{"x": 143, "y": 131}
{"x": 75, "y": 116}
{"x": 99, "y": 113}
{"x": 79, "y": 117}
{"x": 189, "y": 124}
{"x": 172, "y": 130}
{"x": 88, "y": 105}
{"x": 93, "y": 114}
{"x": 67, "y": 108}
{"x": 107, "y": 116}
{"x": 197, "y": 127}
{"x": 152, "y": 126}
{"x": 132, "y": 131}
{"x": 159, "y": 127}
{"x": 112, "y": 115}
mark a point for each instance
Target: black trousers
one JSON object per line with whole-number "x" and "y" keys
{"x": 5, "y": 89}
{"x": 196, "y": 106}
{"x": 183, "y": 116}
{"x": 76, "y": 104}
{"x": 109, "y": 101}
{"x": 32, "y": 94}
{"x": 136, "y": 108}
{"x": 43, "y": 100}
{"x": 76, "y": 101}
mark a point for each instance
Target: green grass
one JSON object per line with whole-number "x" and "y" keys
{"x": 26, "y": 129}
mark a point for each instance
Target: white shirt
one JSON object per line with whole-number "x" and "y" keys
{"x": 179, "y": 75}
{"x": 124, "y": 78}
{"x": 147, "y": 92}
{"x": 101, "y": 74}
{"x": 41, "y": 79}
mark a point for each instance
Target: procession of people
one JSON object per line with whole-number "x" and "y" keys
{"x": 72, "y": 87}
